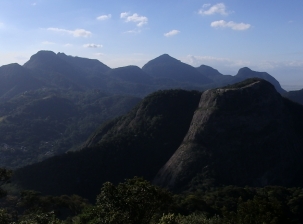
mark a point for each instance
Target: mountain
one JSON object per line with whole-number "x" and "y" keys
{"x": 209, "y": 72}
{"x": 15, "y": 79}
{"x": 132, "y": 74}
{"x": 164, "y": 72}
{"x": 50, "y": 68}
{"x": 136, "y": 144}
{"x": 166, "y": 66}
{"x": 245, "y": 73}
{"x": 91, "y": 66}
{"x": 296, "y": 96}
{"x": 243, "y": 134}
{"x": 47, "y": 122}
{"x": 218, "y": 78}
{"x": 81, "y": 74}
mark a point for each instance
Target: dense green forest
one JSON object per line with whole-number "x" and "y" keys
{"x": 43, "y": 123}
{"x": 137, "y": 201}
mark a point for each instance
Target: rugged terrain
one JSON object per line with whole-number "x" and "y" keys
{"x": 242, "y": 134}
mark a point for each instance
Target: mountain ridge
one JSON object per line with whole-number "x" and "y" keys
{"x": 242, "y": 134}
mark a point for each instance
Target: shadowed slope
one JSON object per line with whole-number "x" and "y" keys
{"x": 245, "y": 134}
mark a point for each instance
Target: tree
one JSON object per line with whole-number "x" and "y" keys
{"x": 135, "y": 201}
{"x": 5, "y": 176}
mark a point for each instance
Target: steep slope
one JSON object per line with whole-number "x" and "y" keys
{"x": 14, "y": 79}
{"x": 136, "y": 144}
{"x": 246, "y": 73}
{"x": 91, "y": 66}
{"x": 50, "y": 68}
{"x": 39, "y": 124}
{"x": 245, "y": 134}
{"x": 218, "y": 78}
{"x": 166, "y": 66}
{"x": 209, "y": 72}
{"x": 296, "y": 96}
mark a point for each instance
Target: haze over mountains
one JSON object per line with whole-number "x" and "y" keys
{"x": 242, "y": 134}
{"x": 54, "y": 102}
{"x": 91, "y": 93}
{"x": 49, "y": 70}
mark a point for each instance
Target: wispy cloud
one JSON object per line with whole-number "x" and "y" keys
{"x": 210, "y": 60}
{"x": 1, "y": 24}
{"x": 68, "y": 45}
{"x": 219, "y": 8}
{"x": 230, "y": 24}
{"x": 92, "y": 45}
{"x": 124, "y": 15}
{"x": 140, "y": 20}
{"x": 231, "y": 66}
{"x": 171, "y": 33}
{"x": 47, "y": 42}
{"x": 134, "y": 31}
{"x": 99, "y": 54}
{"x": 75, "y": 33}
{"x": 104, "y": 17}
{"x": 34, "y": 4}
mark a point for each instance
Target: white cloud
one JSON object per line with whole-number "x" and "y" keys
{"x": 92, "y": 45}
{"x": 172, "y": 33}
{"x": 124, "y": 15}
{"x": 215, "y": 61}
{"x": 1, "y": 24}
{"x": 140, "y": 20}
{"x": 34, "y": 4}
{"x": 219, "y": 8}
{"x": 47, "y": 42}
{"x": 75, "y": 33}
{"x": 99, "y": 54}
{"x": 68, "y": 45}
{"x": 135, "y": 31}
{"x": 230, "y": 24}
{"x": 104, "y": 17}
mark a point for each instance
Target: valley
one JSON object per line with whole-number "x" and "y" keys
{"x": 69, "y": 125}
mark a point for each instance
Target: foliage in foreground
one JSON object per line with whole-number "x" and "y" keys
{"x": 136, "y": 201}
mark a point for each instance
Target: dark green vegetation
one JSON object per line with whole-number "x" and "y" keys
{"x": 40, "y": 124}
{"x": 243, "y": 134}
{"x": 136, "y": 144}
{"x": 136, "y": 201}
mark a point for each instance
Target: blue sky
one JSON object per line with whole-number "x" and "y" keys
{"x": 265, "y": 35}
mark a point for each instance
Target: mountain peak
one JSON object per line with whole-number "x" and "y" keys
{"x": 246, "y": 73}
{"x": 244, "y": 69}
{"x": 168, "y": 67}
{"x": 42, "y": 58}
{"x": 209, "y": 71}
{"x": 233, "y": 129}
{"x": 44, "y": 53}
{"x": 164, "y": 59}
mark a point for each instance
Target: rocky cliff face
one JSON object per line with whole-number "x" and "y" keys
{"x": 241, "y": 135}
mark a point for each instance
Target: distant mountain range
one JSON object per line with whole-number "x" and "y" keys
{"x": 34, "y": 124}
{"x": 244, "y": 134}
{"x": 46, "y": 69}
